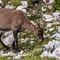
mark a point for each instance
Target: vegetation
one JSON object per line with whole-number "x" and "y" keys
{"x": 16, "y": 2}
{"x": 34, "y": 50}
{"x": 56, "y": 5}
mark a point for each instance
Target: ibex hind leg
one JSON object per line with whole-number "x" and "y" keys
{"x": 15, "y": 43}
{"x": 7, "y": 48}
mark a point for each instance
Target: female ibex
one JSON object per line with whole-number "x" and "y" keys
{"x": 13, "y": 20}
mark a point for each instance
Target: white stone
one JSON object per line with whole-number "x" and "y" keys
{"x": 53, "y": 44}
{"x": 8, "y": 33}
{"x": 43, "y": 9}
{"x": 51, "y": 29}
{"x": 8, "y": 54}
{"x": 48, "y": 35}
{"x": 46, "y": 47}
{"x": 24, "y": 4}
{"x": 47, "y": 16}
{"x": 24, "y": 10}
{"x": 1, "y": 2}
{"x": 57, "y": 51}
{"x": 17, "y": 56}
{"x": 9, "y": 58}
{"x": 45, "y": 53}
{"x": 21, "y": 8}
{"x": 48, "y": 20}
{"x": 32, "y": 42}
{"x": 50, "y": 6}
{"x": 59, "y": 29}
{"x": 49, "y": 25}
{"x": 50, "y": 1}
{"x": 10, "y": 6}
{"x": 56, "y": 14}
{"x": 1, "y": 52}
{"x": 21, "y": 52}
{"x": 56, "y": 36}
{"x": 52, "y": 55}
{"x": 11, "y": 53}
{"x": 8, "y": 40}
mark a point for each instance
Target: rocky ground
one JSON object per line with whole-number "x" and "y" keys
{"x": 31, "y": 48}
{"x": 28, "y": 42}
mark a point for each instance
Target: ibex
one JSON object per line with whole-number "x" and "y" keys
{"x": 14, "y": 20}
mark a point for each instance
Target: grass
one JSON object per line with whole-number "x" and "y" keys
{"x": 34, "y": 50}
{"x": 35, "y": 53}
{"x": 37, "y": 58}
{"x": 5, "y": 58}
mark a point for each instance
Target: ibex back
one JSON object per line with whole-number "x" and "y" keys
{"x": 13, "y": 20}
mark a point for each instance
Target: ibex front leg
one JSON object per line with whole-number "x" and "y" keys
{"x": 15, "y": 43}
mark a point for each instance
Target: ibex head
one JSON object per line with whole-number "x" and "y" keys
{"x": 39, "y": 31}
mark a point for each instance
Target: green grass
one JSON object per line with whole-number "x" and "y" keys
{"x": 4, "y": 58}
{"x": 37, "y": 58}
{"x": 36, "y": 52}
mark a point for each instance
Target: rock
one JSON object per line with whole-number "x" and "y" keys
{"x": 10, "y": 6}
{"x": 32, "y": 42}
{"x": 21, "y": 8}
{"x": 56, "y": 52}
{"x": 8, "y": 54}
{"x": 46, "y": 47}
{"x": 1, "y": 52}
{"x": 44, "y": 9}
{"x": 17, "y": 56}
{"x": 48, "y": 20}
{"x": 50, "y": 7}
{"x": 45, "y": 53}
{"x": 12, "y": 55}
{"x": 9, "y": 58}
{"x": 56, "y": 14}
{"x": 58, "y": 29}
{"x": 52, "y": 49}
{"x": 48, "y": 1}
{"x": 1, "y": 2}
{"x": 47, "y": 16}
{"x": 8, "y": 40}
{"x": 56, "y": 36}
{"x": 49, "y": 25}
{"x": 24, "y": 4}
{"x": 51, "y": 29}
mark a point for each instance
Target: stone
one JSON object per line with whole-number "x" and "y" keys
{"x": 10, "y": 6}
{"x": 52, "y": 49}
{"x": 8, "y": 40}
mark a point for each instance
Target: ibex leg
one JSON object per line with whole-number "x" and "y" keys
{"x": 15, "y": 43}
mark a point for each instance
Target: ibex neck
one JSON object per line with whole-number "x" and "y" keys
{"x": 29, "y": 26}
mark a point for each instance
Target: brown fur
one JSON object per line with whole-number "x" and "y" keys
{"x": 13, "y": 20}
